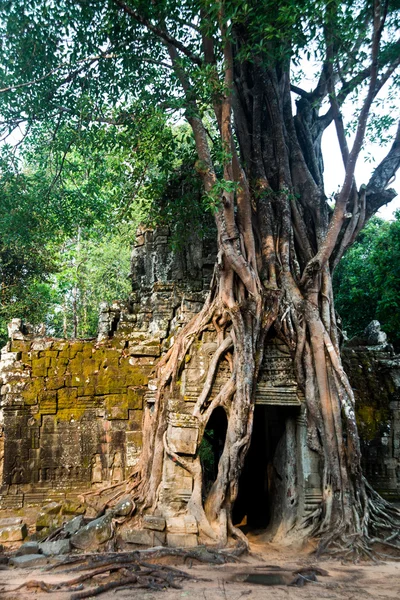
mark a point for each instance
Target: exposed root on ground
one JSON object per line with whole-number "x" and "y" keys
{"x": 378, "y": 529}
{"x": 129, "y": 570}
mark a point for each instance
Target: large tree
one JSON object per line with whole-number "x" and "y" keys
{"x": 225, "y": 67}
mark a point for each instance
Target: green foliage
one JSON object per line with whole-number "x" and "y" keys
{"x": 24, "y": 257}
{"x": 56, "y": 191}
{"x": 95, "y": 94}
{"x": 367, "y": 281}
{"x": 93, "y": 268}
{"x": 70, "y": 208}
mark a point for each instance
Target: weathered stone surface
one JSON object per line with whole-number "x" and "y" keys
{"x": 182, "y": 440}
{"x": 13, "y": 533}
{"x": 153, "y": 522}
{"x": 181, "y": 540}
{"x": 143, "y": 537}
{"x": 374, "y": 373}
{"x": 10, "y": 521}
{"x": 374, "y": 335}
{"x": 70, "y": 507}
{"x": 95, "y": 533}
{"x": 74, "y": 525}
{"x": 49, "y": 517}
{"x": 53, "y": 508}
{"x": 124, "y": 507}
{"x": 182, "y": 524}
{"x": 55, "y": 547}
{"x": 182, "y": 433}
{"x": 28, "y": 548}
{"x": 143, "y": 350}
{"x": 28, "y": 560}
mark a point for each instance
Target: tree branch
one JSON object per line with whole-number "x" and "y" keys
{"x": 70, "y": 76}
{"x": 159, "y": 32}
{"x": 377, "y": 195}
{"x": 300, "y": 92}
{"x": 325, "y": 251}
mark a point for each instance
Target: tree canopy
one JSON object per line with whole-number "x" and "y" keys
{"x": 87, "y": 85}
{"x": 258, "y": 83}
{"x": 71, "y": 204}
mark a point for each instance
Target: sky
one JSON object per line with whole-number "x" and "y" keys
{"x": 334, "y": 171}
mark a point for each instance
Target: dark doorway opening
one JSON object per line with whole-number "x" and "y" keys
{"x": 212, "y": 446}
{"x": 259, "y": 478}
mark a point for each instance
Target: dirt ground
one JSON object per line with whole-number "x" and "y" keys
{"x": 227, "y": 582}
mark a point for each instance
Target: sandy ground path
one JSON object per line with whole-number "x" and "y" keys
{"x": 226, "y": 582}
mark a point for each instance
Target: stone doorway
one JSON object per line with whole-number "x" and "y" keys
{"x": 260, "y": 485}
{"x": 211, "y": 447}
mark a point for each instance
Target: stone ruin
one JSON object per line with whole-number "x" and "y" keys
{"x": 374, "y": 371}
{"x": 71, "y": 410}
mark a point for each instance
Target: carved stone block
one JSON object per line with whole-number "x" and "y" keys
{"x": 182, "y": 524}
{"x": 133, "y": 447}
{"x": 153, "y": 522}
{"x": 13, "y": 533}
{"x": 144, "y": 537}
{"x": 181, "y": 540}
{"x": 182, "y": 440}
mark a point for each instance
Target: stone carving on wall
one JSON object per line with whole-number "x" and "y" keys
{"x": 277, "y": 383}
{"x": 374, "y": 371}
{"x": 116, "y": 468}
{"x": 64, "y": 405}
{"x": 97, "y": 469}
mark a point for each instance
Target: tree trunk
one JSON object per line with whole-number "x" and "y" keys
{"x": 278, "y": 242}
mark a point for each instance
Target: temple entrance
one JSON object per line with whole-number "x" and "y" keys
{"x": 212, "y": 446}
{"x": 260, "y": 477}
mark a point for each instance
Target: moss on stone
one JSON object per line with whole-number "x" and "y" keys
{"x": 135, "y": 397}
{"x": 116, "y": 406}
{"x": 64, "y": 352}
{"x": 48, "y": 353}
{"x": 87, "y": 350}
{"x": 66, "y": 398}
{"x": 136, "y": 375}
{"x": 55, "y": 383}
{"x": 26, "y": 358}
{"x": 48, "y": 402}
{"x": 60, "y": 345}
{"x": 32, "y": 390}
{"x": 39, "y": 367}
{"x": 74, "y": 348}
{"x": 20, "y": 346}
{"x": 58, "y": 371}
{"x": 88, "y": 368}
{"x": 370, "y": 421}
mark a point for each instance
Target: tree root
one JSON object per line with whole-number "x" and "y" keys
{"x": 379, "y": 527}
{"x": 130, "y": 570}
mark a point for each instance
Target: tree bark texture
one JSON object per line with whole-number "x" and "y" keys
{"x": 278, "y": 243}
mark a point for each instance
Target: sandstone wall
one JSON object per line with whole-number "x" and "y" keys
{"x": 72, "y": 413}
{"x": 71, "y": 410}
{"x": 374, "y": 372}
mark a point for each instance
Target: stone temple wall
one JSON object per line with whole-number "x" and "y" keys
{"x": 374, "y": 372}
{"x": 71, "y": 410}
